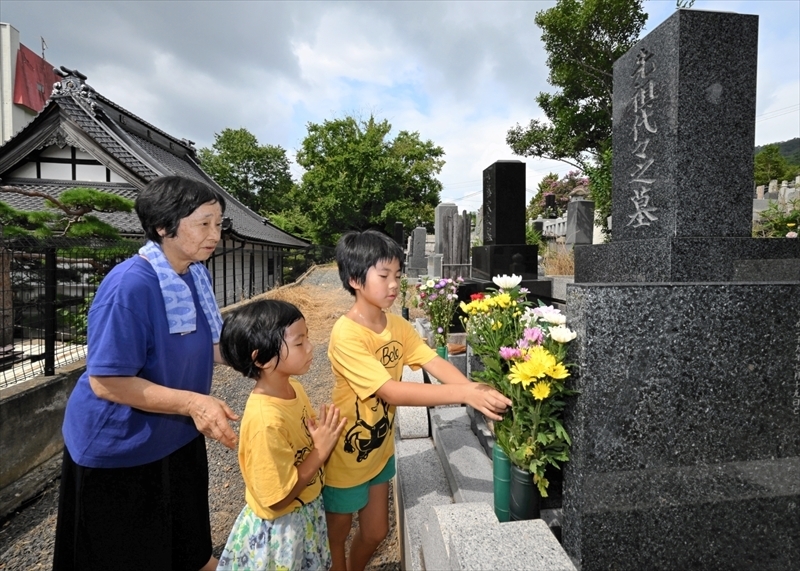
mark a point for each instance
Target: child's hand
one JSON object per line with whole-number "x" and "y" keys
{"x": 487, "y": 400}
{"x": 326, "y": 429}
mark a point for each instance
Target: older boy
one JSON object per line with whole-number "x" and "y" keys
{"x": 368, "y": 349}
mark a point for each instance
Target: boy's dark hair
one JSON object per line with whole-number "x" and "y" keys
{"x": 167, "y": 200}
{"x": 357, "y": 252}
{"x": 258, "y": 326}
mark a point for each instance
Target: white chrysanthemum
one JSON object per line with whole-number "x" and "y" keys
{"x": 555, "y": 318}
{"x": 507, "y": 282}
{"x": 528, "y": 318}
{"x": 430, "y": 283}
{"x": 562, "y": 334}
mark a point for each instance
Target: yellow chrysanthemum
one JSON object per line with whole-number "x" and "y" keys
{"x": 503, "y": 300}
{"x": 540, "y": 390}
{"x": 538, "y": 361}
{"x": 558, "y": 371}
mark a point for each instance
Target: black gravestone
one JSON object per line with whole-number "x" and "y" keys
{"x": 504, "y": 203}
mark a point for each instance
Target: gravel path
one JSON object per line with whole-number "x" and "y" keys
{"x": 26, "y": 538}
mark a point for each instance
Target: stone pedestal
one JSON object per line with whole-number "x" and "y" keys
{"x": 686, "y": 431}
{"x": 689, "y": 259}
{"x": 519, "y": 259}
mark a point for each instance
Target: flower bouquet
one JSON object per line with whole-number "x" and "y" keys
{"x": 523, "y": 350}
{"x": 439, "y": 300}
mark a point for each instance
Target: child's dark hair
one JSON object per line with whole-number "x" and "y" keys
{"x": 258, "y": 326}
{"x": 357, "y": 252}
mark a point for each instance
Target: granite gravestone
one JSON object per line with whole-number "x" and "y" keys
{"x": 416, "y": 264}
{"x": 580, "y": 222}
{"x": 686, "y": 433}
{"x": 683, "y": 135}
{"x": 504, "y": 226}
{"x": 440, "y": 213}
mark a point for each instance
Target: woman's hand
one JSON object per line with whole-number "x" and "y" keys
{"x": 210, "y": 416}
{"x": 326, "y": 429}
{"x": 486, "y": 399}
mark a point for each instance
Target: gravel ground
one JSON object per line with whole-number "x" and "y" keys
{"x": 26, "y": 538}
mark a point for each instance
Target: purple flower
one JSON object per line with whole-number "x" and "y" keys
{"x": 509, "y": 353}
{"x": 439, "y": 330}
{"x": 533, "y": 335}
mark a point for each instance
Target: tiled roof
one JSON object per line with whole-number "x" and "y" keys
{"x": 101, "y": 135}
{"x": 120, "y": 134}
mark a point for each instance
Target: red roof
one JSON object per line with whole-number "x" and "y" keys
{"x": 34, "y": 80}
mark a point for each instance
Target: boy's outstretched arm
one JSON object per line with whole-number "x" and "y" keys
{"x": 480, "y": 397}
{"x": 445, "y": 371}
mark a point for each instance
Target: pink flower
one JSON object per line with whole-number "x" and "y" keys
{"x": 791, "y": 235}
{"x": 533, "y": 335}
{"x": 509, "y": 353}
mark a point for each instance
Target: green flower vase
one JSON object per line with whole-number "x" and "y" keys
{"x": 524, "y": 499}
{"x": 501, "y": 482}
{"x": 442, "y": 352}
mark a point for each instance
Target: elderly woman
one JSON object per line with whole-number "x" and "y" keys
{"x": 134, "y": 485}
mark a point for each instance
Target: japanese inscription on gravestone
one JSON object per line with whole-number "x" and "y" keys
{"x": 644, "y": 127}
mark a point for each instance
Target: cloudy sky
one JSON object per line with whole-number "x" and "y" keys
{"x": 460, "y": 73}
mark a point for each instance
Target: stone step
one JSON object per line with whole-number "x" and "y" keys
{"x": 444, "y": 482}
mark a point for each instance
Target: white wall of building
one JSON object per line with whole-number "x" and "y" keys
{"x": 12, "y": 117}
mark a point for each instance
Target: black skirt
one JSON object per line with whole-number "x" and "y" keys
{"x": 152, "y": 517}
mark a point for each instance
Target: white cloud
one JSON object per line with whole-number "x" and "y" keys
{"x": 459, "y": 73}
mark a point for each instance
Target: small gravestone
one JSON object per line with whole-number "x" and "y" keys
{"x": 443, "y": 211}
{"x": 416, "y": 265}
{"x": 580, "y": 222}
{"x": 550, "y": 205}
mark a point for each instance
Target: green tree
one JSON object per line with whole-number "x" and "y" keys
{"x": 68, "y": 215}
{"x": 560, "y": 188}
{"x": 257, "y": 175}
{"x": 599, "y": 173}
{"x": 770, "y": 165}
{"x": 583, "y": 39}
{"x": 357, "y": 177}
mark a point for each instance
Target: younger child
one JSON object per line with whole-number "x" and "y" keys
{"x": 368, "y": 350}
{"x": 282, "y": 445}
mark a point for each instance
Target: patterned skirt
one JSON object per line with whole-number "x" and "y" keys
{"x": 293, "y": 542}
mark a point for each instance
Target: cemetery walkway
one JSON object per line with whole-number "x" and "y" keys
{"x": 26, "y": 537}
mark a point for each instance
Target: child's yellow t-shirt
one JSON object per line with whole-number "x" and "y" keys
{"x": 273, "y": 439}
{"x": 362, "y": 362}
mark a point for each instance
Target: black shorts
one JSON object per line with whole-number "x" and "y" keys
{"x": 152, "y": 517}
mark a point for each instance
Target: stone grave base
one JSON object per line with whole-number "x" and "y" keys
{"x": 686, "y": 446}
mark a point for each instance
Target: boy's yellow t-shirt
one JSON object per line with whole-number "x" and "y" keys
{"x": 362, "y": 362}
{"x": 273, "y": 439}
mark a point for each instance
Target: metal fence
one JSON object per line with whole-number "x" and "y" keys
{"x": 46, "y": 287}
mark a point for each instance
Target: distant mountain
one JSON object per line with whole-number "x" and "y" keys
{"x": 790, "y": 150}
